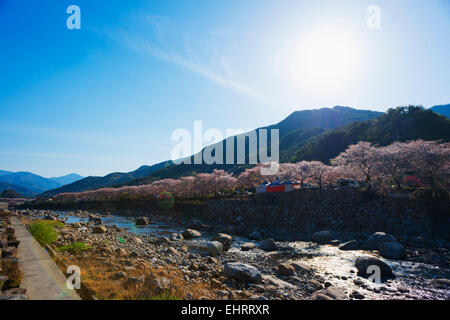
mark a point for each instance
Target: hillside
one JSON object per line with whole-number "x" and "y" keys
{"x": 295, "y": 131}
{"x": 91, "y": 183}
{"x": 442, "y": 110}
{"x": 32, "y": 182}
{"x": 400, "y": 124}
{"x": 21, "y": 190}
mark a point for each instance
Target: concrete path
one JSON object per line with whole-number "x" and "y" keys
{"x": 41, "y": 277}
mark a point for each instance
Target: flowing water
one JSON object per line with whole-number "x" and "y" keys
{"x": 333, "y": 265}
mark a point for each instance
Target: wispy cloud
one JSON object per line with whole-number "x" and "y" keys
{"x": 159, "y": 49}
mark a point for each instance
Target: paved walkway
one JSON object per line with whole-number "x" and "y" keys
{"x": 41, "y": 277}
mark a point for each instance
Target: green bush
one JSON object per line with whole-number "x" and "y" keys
{"x": 44, "y": 231}
{"x": 75, "y": 247}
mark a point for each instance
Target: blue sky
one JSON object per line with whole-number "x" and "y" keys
{"x": 107, "y": 97}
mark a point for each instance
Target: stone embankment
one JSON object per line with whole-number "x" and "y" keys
{"x": 10, "y": 273}
{"x": 298, "y": 215}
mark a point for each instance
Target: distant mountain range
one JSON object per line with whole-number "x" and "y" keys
{"x": 319, "y": 134}
{"x": 109, "y": 180}
{"x": 29, "y": 184}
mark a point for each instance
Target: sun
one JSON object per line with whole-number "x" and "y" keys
{"x": 325, "y": 61}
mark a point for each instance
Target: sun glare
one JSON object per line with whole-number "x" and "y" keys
{"x": 324, "y": 61}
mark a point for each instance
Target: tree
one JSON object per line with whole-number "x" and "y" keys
{"x": 362, "y": 158}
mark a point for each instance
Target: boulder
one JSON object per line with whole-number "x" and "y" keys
{"x": 278, "y": 283}
{"x": 225, "y": 240}
{"x": 322, "y": 237}
{"x": 191, "y": 234}
{"x": 350, "y": 245}
{"x": 268, "y": 245}
{"x": 286, "y": 269}
{"x": 330, "y": 293}
{"x": 301, "y": 267}
{"x": 363, "y": 263}
{"x": 392, "y": 250}
{"x": 213, "y": 248}
{"x": 142, "y": 221}
{"x": 50, "y": 218}
{"x": 99, "y": 229}
{"x": 378, "y": 238}
{"x": 248, "y": 246}
{"x": 242, "y": 271}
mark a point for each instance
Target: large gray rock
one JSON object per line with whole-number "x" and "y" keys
{"x": 363, "y": 263}
{"x": 322, "y": 237}
{"x": 350, "y": 245}
{"x": 330, "y": 293}
{"x": 378, "y": 238}
{"x": 191, "y": 234}
{"x": 225, "y": 240}
{"x": 274, "y": 281}
{"x": 392, "y": 250}
{"x": 242, "y": 271}
{"x": 212, "y": 248}
{"x": 268, "y": 245}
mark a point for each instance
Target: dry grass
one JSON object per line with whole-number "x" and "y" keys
{"x": 98, "y": 277}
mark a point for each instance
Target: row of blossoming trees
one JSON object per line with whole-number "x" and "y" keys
{"x": 419, "y": 163}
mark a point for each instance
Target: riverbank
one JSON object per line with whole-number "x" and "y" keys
{"x": 157, "y": 258}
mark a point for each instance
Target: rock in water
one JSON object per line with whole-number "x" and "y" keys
{"x": 392, "y": 250}
{"x": 191, "y": 234}
{"x": 242, "y": 271}
{"x": 142, "y": 221}
{"x": 268, "y": 245}
{"x": 322, "y": 237}
{"x": 363, "y": 263}
{"x": 378, "y": 238}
